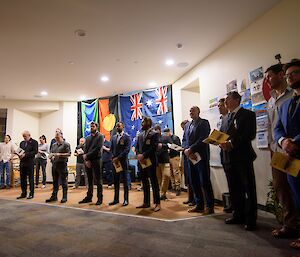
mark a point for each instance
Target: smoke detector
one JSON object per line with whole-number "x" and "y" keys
{"x": 80, "y": 33}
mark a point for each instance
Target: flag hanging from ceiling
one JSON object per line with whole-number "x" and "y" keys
{"x": 154, "y": 103}
{"x": 89, "y": 113}
{"x": 108, "y": 115}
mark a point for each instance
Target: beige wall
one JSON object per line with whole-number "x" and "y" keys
{"x": 275, "y": 32}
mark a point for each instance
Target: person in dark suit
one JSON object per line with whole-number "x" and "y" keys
{"x": 146, "y": 150}
{"x": 287, "y": 129}
{"x": 30, "y": 147}
{"x": 92, "y": 156}
{"x": 196, "y": 131}
{"x": 120, "y": 147}
{"x": 238, "y": 157}
{"x": 222, "y": 126}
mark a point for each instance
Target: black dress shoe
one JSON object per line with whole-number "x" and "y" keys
{"x": 21, "y": 196}
{"x": 51, "y": 199}
{"x": 250, "y": 227}
{"x": 125, "y": 203}
{"x": 192, "y": 204}
{"x": 233, "y": 221}
{"x": 85, "y": 200}
{"x": 163, "y": 197}
{"x": 178, "y": 192}
{"x": 143, "y": 206}
{"x": 29, "y": 196}
{"x": 196, "y": 209}
{"x": 113, "y": 203}
{"x": 64, "y": 200}
{"x": 99, "y": 202}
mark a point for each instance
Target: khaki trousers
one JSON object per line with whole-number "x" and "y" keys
{"x": 163, "y": 176}
{"x": 175, "y": 175}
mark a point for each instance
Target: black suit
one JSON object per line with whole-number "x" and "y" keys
{"x": 27, "y": 165}
{"x": 196, "y": 131}
{"x": 146, "y": 145}
{"x": 239, "y": 166}
{"x": 120, "y": 148}
{"x": 93, "y": 151}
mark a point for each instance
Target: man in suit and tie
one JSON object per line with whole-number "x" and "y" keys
{"x": 120, "y": 147}
{"x": 196, "y": 131}
{"x": 238, "y": 157}
{"x": 146, "y": 150}
{"x": 287, "y": 129}
{"x": 30, "y": 147}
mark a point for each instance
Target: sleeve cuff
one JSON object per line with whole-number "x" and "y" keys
{"x": 280, "y": 140}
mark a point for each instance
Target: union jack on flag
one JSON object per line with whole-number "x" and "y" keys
{"x": 136, "y": 106}
{"x": 162, "y": 100}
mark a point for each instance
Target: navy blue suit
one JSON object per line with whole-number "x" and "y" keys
{"x": 120, "y": 149}
{"x": 288, "y": 126}
{"x": 195, "y": 132}
{"x": 146, "y": 145}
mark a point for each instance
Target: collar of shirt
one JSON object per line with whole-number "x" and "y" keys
{"x": 277, "y": 97}
{"x": 236, "y": 110}
{"x": 120, "y": 134}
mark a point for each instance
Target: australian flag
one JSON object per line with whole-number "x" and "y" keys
{"x": 154, "y": 103}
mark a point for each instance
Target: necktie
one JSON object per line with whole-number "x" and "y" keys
{"x": 230, "y": 119}
{"x": 294, "y": 103}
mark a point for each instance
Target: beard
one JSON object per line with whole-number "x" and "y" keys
{"x": 295, "y": 85}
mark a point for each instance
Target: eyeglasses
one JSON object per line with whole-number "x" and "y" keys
{"x": 293, "y": 73}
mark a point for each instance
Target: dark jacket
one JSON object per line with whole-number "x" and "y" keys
{"x": 121, "y": 149}
{"x": 195, "y": 132}
{"x": 242, "y": 130}
{"x": 31, "y": 149}
{"x": 175, "y": 140}
{"x": 93, "y": 146}
{"x": 163, "y": 153}
{"x": 146, "y": 145}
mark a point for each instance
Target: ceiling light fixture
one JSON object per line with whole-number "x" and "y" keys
{"x": 44, "y": 93}
{"x": 80, "y": 33}
{"x": 104, "y": 78}
{"x": 169, "y": 62}
{"x": 152, "y": 84}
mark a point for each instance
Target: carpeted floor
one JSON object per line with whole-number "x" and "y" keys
{"x": 29, "y": 228}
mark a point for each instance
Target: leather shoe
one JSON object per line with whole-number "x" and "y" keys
{"x": 21, "y": 196}
{"x": 143, "y": 206}
{"x": 156, "y": 208}
{"x": 85, "y": 200}
{"x": 113, "y": 203}
{"x": 178, "y": 192}
{"x": 29, "y": 196}
{"x": 163, "y": 197}
{"x": 233, "y": 221}
{"x": 51, "y": 199}
{"x": 196, "y": 209}
{"x": 125, "y": 203}
{"x": 192, "y": 204}
{"x": 99, "y": 202}
{"x": 64, "y": 200}
{"x": 250, "y": 227}
{"x": 210, "y": 210}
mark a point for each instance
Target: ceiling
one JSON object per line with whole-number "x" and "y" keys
{"x": 128, "y": 41}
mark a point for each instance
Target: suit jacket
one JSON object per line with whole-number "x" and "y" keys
{"x": 121, "y": 149}
{"x": 242, "y": 130}
{"x": 195, "y": 132}
{"x": 288, "y": 126}
{"x": 223, "y": 128}
{"x": 146, "y": 145}
{"x": 31, "y": 149}
{"x": 93, "y": 147}
{"x": 163, "y": 153}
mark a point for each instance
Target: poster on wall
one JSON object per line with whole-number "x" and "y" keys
{"x": 262, "y": 139}
{"x": 256, "y": 74}
{"x": 213, "y": 102}
{"x": 243, "y": 85}
{"x": 231, "y": 86}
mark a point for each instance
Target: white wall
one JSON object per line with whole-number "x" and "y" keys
{"x": 275, "y": 32}
{"x": 189, "y": 99}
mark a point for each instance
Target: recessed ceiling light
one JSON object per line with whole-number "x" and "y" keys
{"x": 169, "y": 62}
{"x": 104, "y": 78}
{"x": 179, "y": 46}
{"x": 182, "y": 64}
{"x": 152, "y": 84}
{"x": 71, "y": 62}
{"x": 80, "y": 33}
{"x": 44, "y": 93}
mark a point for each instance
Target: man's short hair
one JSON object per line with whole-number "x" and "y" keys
{"x": 167, "y": 130}
{"x": 121, "y": 122}
{"x": 95, "y": 123}
{"x": 196, "y": 107}
{"x": 293, "y": 62}
{"x": 157, "y": 127}
{"x": 25, "y": 132}
{"x": 235, "y": 95}
{"x": 148, "y": 120}
{"x": 275, "y": 68}
{"x": 222, "y": 100}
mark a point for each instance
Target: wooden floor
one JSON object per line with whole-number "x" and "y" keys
{"x": 172, "y": 209}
